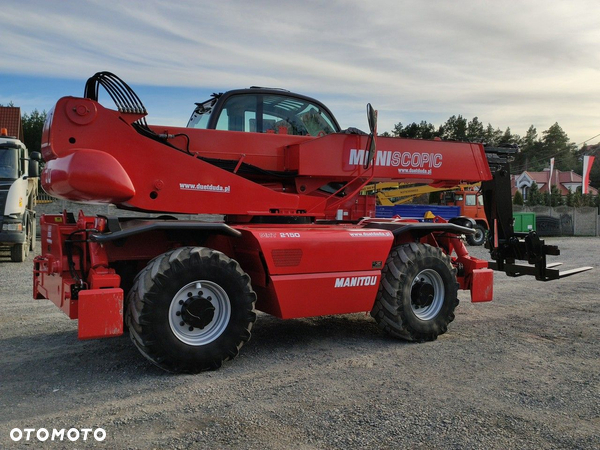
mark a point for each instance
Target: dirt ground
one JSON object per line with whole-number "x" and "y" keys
{"x": 520, "y": 372}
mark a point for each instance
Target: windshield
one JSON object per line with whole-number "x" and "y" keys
{"x": 9, "y": 164}
{"x": 289, "y": 115}
{"x": 277, "y": 114}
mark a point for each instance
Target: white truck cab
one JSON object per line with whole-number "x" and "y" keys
{"x": 19, "y": 175}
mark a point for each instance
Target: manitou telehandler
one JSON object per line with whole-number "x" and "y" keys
{"x": 285, "y": 179}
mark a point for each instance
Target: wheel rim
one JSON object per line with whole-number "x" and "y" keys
{"x": 199, "y": 313}
{"x": 427, "y": 294}
{"x": 479, "y": 235}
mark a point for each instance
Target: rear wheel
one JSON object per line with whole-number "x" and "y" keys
{"x": 32, "y": 235}
{"x": 418, "y": 293}
{"x": 478, "y": 238}
{"x": 191, "y": 309}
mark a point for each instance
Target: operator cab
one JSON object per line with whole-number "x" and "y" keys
{"x": 262, "y": 110}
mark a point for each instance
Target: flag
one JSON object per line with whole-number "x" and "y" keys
{"x": 587, "y": 168}
{"x": 551, "y": 170}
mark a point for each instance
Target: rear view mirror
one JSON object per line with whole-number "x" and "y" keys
{"x": 371, "y": 147}
{"x": 33, "y": 170}
{"x": 33, "y": 167}
{"x": 372, "y": 118}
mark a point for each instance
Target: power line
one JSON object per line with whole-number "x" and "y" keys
{"x": 589, "y": 139}
{"x": 522, "y": 167}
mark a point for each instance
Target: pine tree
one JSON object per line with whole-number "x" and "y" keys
{"x": 33, "y": 124}
{"x": 555, "y": 197}
{"x": 569, "y": 199}
{"x": 518, "y": 198}
{"x": 546, "y": 199}
{"x": 534, "y": 197}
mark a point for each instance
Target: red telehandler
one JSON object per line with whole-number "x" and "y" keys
{"x": 286, "y": 179}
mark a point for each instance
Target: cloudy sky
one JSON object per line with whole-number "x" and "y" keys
{"x": 511, "y": 63}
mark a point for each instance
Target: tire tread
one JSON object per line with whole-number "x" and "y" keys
{"x": 390, "y": 311}
{"x": 145, "y": 297}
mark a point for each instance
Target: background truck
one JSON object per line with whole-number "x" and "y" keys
{"x": 18, "y": 190}
{"x": 470, "y": 202}
{"x": 284, "y": 179}
{"x": 465, "y": 201}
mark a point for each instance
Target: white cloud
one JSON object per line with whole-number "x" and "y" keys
{"x": 510, "y": 63}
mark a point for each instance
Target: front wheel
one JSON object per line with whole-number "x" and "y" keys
{"x": 418, "y": 293}
{"x": 32, "y": 235}
{"x": 191, "y": 309}
{"x": 18, "y": 252}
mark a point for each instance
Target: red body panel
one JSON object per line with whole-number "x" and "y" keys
{"x": 100, "y": 313}
{"x": 313, "y": 270}
{"x": 325, "y": 293}
{"x": 396, "y": 159}
{"x": 77, "y": 176}
{"x": 482, "y": 285}
{"x": 319, "y": 248}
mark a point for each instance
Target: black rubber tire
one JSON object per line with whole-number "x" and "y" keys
{"x": 18, "y": 252}
{"x": 156, "y": 294}
{"x": 33, "y": 235}
{"x": 479, "y": 237}
{"x": 396, "y": 310}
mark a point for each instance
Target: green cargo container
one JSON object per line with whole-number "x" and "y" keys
{"x": 524, "y": 222}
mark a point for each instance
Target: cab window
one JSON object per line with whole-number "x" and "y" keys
{"x": 470, "y": 200}
{"x": 276, "y": 114}
{"x": 9, "y": 164}
{"x": 202, "y": 113}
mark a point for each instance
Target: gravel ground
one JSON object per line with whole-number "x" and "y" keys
{"x": 520, "y": 372}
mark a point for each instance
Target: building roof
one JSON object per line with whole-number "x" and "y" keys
{"x": 10, "y": 118}
{"x": 565, "y": 181}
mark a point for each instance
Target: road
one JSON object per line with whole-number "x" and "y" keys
{"x": 520, "y": 372}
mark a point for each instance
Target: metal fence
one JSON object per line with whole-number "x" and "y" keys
{"x": 564, "y": 220}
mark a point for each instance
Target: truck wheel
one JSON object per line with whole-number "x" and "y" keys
{"x": 18, "y": 252}
{"x": 32, "y": 236}
{"x": 417, "y": 294}
{"x": 479, "y": 237}
{"x": 191, "y": 309}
